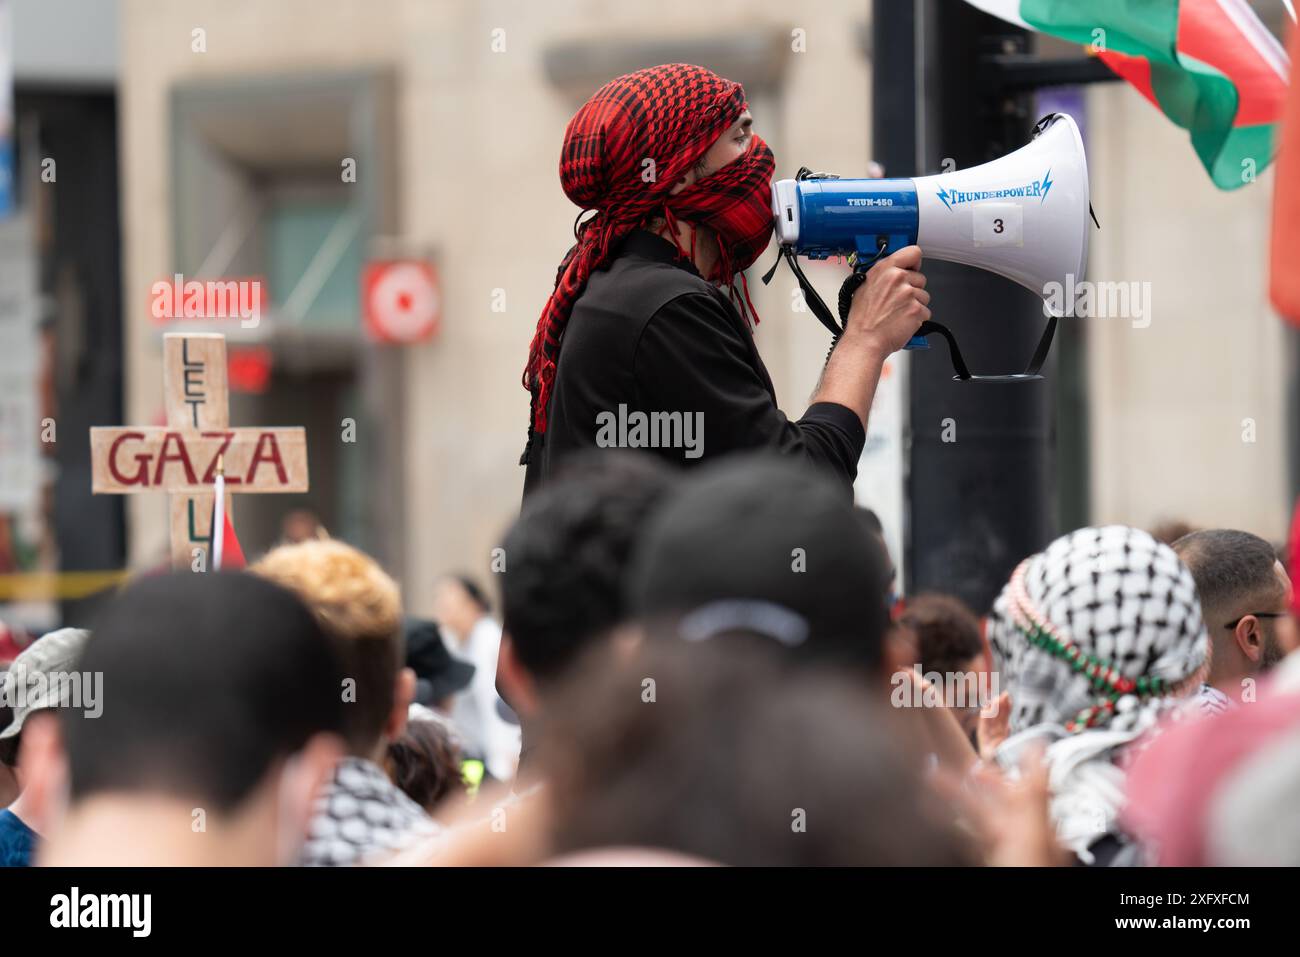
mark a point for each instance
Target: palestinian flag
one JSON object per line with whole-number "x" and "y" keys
{"x": 1210, "y": 65}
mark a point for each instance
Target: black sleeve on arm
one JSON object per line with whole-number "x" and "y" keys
{"x": 691, "y": 358}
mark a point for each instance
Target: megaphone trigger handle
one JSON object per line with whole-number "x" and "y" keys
{"x": 847, "y": 288}
{"x": 858, "y": 276}
{"x": 858, "y": 259}
{"x": 917, "y": 342}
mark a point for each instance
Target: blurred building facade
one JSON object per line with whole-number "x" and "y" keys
{"x": 1193, "y": 416}
{"x": 237, "y": 115}
{"x": 60, "y": 309}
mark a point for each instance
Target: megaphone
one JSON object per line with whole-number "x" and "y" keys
{"x": 1024, "y": 216}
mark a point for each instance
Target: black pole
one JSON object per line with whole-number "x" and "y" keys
{"x": 982, "y": 457}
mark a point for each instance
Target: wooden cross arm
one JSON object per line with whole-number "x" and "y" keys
{"x": 125, "y": 460}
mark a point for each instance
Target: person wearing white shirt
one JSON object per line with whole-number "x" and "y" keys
{"x": 462, "y": 609}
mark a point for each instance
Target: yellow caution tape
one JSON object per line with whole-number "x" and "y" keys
{"x": 44, "y": 586}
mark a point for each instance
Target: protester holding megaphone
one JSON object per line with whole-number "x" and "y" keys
{"x": 647, "y": 339}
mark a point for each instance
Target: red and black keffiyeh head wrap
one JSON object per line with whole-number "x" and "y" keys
{"x": 623, "y": 152}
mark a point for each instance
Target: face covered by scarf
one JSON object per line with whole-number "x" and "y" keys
{"x": 623, "y": 153}
{"x": 735, "y": 202}
{"x": 1095, "y": 638}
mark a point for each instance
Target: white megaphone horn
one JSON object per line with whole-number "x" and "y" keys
{"x": 1024, "y": 216}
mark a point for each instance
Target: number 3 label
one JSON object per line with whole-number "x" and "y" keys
{"x": 998, "y": 224}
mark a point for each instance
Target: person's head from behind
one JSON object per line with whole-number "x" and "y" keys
{"x": 1095, "y": 639}
{"x": 724, "y": 751}
{"x": 1244, "y": 592}
{"x": 361, "y": 609}
{"x": 566, "y": 563}
{"x": 425, "y": 761}
{"x": 766, "y": 544}
{"x": 221, "y": 708}
{"x": 458, "y": 604}
{"x": 949, "y": 643}
{"x": 42, "y": 679}
{"x": 1100, "y": 631}
{"x": 301, "y": 525}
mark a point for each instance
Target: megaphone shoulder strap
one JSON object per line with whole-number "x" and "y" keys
{"x": 810, "y": 294}
{"x": 963, "y": 371}
{"x": 1044, "y": 344}
{"x": 857, "y": 277}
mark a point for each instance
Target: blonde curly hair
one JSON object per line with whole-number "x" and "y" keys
{"x": 361, "y": 606}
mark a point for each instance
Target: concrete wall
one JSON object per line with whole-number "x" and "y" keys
{"x": 65, "y": 42}
{"x": 479, "y": 138}
{"x": 1170, "y": 402}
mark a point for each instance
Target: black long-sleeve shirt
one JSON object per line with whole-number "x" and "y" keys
{"x": 650, "y": 335}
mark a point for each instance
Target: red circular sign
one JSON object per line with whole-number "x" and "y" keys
{"x": 402, "y": 301}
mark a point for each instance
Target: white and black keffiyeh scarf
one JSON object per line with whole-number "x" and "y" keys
{"x": 360, "y": 816}
{"x": 1096, "y": 638}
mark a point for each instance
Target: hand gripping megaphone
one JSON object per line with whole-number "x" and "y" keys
{"x": 1024, "y": 216}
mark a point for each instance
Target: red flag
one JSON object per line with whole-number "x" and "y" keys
{"x": 232, "y": 556}
{"x": 1285, "y": 265}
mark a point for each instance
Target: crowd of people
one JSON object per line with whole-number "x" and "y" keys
{"x": 689, "y": 669}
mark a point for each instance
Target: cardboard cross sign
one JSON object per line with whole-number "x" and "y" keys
{"x": 181, "y": 457}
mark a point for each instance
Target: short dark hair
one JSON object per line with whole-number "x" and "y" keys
{"x": 1229, "y": 567}
{"x": 760, "y": 528}
{"x": 475, "y": 593}
{"x": 870, "y": 519}
{"x": 869, "y": 522}
{"x": 425, "y": 762}
{"x": 947, "y": 631}
{"x": 208, "y": 681}
{"x": 567, "y": 555}
{"x": 735, "y": 743}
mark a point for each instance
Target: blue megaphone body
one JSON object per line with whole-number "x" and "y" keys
{"x": 865, "y": 219}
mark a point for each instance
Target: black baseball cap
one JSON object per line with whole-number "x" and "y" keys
{"x": 438, "y": 674}
{"x": 747, "y": 541}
